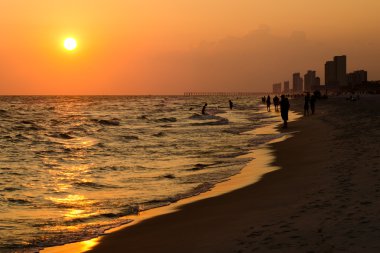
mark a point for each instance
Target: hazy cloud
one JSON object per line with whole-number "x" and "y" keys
{"x": 248, "y": 63}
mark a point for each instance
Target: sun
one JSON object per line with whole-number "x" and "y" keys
{"x": 70, "y": 44}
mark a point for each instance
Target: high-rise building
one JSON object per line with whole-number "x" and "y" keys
{"x": 317, "y": 85}
{"x": 317, "y": 81}
{"x": 309, "y": 80}
{"x": 286, "y": 87}
{"x": 330, "y": 73}
{"x": 277, "y": 88}
{"x": 341, "y": 69}
{"x": 336, "y": 71}
{"x": 297, "y": 83}
{"x": 357, "y": 77}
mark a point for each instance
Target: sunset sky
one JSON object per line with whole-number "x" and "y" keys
{"x": 173, "y": 46}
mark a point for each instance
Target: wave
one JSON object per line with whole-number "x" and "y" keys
{"x": 197, "y": 116}
{"x": 20, "y": 136}
{"x": 203, "y": 187}
{"x": 200, "y": 116}
{"x": 18, "y": 201}
{"x": 107, "y": 122}
{"x": 93, "y": 185}
{"x": 12, "y": 173}
{"x": 263, "y": 138}
{"x": 142, "y": 117}
{"x": 62, "y": 136}
{"x": 170, "y": 119}
{"x": 48, "y": 239}
{"x": 232, "y": 154}
{"x": 198, "y": 166}
{"x": 11, "y": 189}
{"x": 26, "y": 125}
{"x": 160, "y": 134}
{"x": 222, "y": 121}
{"x": 78, "y": 128}
{"x": 127, "y": 210}
{"x": 102, "y": 169}
{"x": 168, "y": 176}
{"x": 219, "y": 120}
{"x": 129, "y": 137}
{"x": 27, "y": 122}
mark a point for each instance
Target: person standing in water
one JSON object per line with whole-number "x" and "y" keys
{"x": 306, "y": 105}
{"x": 231, "y": 104}
{"x": 268, "y": 103}
{"x": 204, "y": 109}
{"x": 284, "y": 107}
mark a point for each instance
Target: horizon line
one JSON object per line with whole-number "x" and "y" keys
{"x": 134, "y": 95}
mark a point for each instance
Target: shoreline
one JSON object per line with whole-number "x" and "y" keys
{"x": 324, "y": 199}
{"x": 251, "y": 173}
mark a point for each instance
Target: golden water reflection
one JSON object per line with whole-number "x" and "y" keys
{"x": 74, "y": 247}
{"x": 88, "y": 245}
{"x": 78, "y": 213}
{"x": 69, "y": 199}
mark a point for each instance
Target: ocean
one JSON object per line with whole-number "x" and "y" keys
{"x": 72, "y": 167}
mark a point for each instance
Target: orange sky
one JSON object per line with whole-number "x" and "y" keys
{"x": 172, "y": 46}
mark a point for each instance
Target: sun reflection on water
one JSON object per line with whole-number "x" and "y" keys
{"x": 68, "y": 199}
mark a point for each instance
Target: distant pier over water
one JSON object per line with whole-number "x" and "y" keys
{"x": 187, "y": 94}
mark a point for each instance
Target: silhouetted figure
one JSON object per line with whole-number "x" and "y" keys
{"x": 268, "y": 103}
{"x": 276, "y": 102}
{"x": 263, "y": 99}
{"x": 306, "y": 105}
{"x": 231, "y": 104}
{"x": 312, "y": 103}
{"x": 204, "y": 109}
{"x": 284, "y": 106}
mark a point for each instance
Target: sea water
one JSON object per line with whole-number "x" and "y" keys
{"x": 72, "y": 167}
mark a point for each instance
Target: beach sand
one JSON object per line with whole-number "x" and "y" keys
{"x": 323, "y": 199}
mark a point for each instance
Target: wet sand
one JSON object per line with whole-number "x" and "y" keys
{"x": 323, "y": 199}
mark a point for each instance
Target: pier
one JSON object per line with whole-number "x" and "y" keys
{"x": 227, "y": 94}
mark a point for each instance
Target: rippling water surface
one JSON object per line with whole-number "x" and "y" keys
{"x": 72, "y": 167}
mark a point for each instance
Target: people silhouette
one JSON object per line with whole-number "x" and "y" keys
{"x": 306, "y": 105}
{"x": 204, "y": 109}
{"x": 231, "y": 104}
{"x": 312, "y": 103}
{"x": 268, "y": 103}
{"x": 284, "y": 107}
{"x": 276, "y": 102}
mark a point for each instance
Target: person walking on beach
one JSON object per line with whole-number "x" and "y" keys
{"x": 268, "y": 103}
{"x": 306, "y": 105}
{"x": 276, "y": 102}
{"x": 284, "y": 107}
{"x": 204, "y": 109}
{"x": 231, "y": 104}
{"x": 312, "y": 103}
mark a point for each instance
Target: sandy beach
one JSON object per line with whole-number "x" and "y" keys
{"x": 323, "y": 199}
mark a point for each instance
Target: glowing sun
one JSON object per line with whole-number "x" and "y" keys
{"x": 70, "y": 44}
